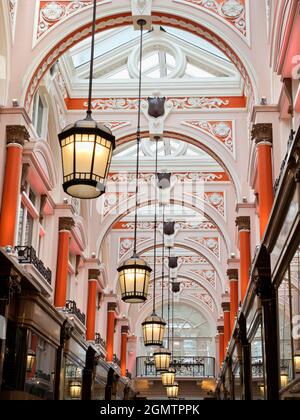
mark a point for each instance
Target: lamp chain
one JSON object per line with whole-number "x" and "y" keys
{"x": 89, "y": 111}
{"x": 141, "y": 22}
{"x": 155, "y": 223}
{"x": 163, "y": 264}
{"x": 169, "y": 284}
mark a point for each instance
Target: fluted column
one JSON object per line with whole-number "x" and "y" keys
{"x": 65, "y": 227}
{"x": 243, "y": 224}
{"x": 124, "y": 332}
{"x": 234, "y": 295}
{"x": 16, "y": 136}
{"x": 91, "y": 305}
{"x": 263, "y": 136}
{"x": 110, "y": 332}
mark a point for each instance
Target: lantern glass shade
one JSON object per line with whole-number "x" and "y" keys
{"x": 172, "y": 391}
{"x": 168, "y": 378}
{"x": 153, "y": 330}
{"x": 31, "y": 357}
{"x": 75, "y": 390}
{"x": 284, "y": 379}
{"x": 134, "y": 280}
{"x": 162, "y": 358}
{"x": 297, "y": 363}
{"x": 87, "y": 149}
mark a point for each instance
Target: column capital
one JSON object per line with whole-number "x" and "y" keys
{"x": 243, "y": 223}
{"x": 111, "y": 306}
{"x": 262, "y": 133}
{"x": 66, "y": 223}
{"x": 124, "y": 329}
{"x": 17, "y": 134}
{"x": 233, "y": 274}
{"x": 226, "y": 306}
{"x": 220, "y": 329}
{"x": 93, "y": 274}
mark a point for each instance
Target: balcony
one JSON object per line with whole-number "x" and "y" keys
{"x": 186, "y": 367}
{"x": 27, "y": 255}
{"x": 71, "y": 308}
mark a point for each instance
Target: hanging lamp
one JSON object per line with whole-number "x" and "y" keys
{"x": 134, "y": 273}
{"x": 162, "y": 356}
{"x": 154, "y": 326}
{"x": 86, "y": 147}
{"x": 172, "y": 391}
{"x": 168, "y": 377}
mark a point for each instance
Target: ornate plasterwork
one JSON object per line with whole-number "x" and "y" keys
{"x": 232, "y": 11}
{"x": 220, "y": 130}
{"x": 149, "y": 226}
{"x": 148, "y": 178}
{"x": 209, "y": 276}
{"x": 116, "y": 125}
{"x": 192, "y": 260}
{"x": 179, "y": 104}
{"x": 210, "y": 243}
{"x": 53, "y": 12}
{"x": 216, "y": 200}
{"x": 158, "y": 19}
{"x": 113, "y": 200}
{"x": 125, "y": 244}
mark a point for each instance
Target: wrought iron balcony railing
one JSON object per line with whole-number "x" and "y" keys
{"x": 99, "y": 340}
{"x": 190, "y": 366}
{"x": 27, "y": 255}
{"x": 117, "y": 361}
{"x": 71, "y": 308}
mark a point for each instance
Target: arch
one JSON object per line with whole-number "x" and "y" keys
{"x": 139, "y": 314}
{"x": 204, "y": 142}
{"x": 111, "y": 20}
{"x": 209, "y": 212}
{"x": 196, "y": 249}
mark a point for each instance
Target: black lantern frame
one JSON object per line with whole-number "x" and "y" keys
{"x": 153, "y": 330}
{"x": 162, "y": 359}
{"x": 134, "y": 280}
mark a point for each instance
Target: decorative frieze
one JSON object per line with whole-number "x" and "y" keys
{"x": 221, "y": 131}
{"x": 182, "y": 225}
{"x": 53, "y": 12}
{"x": 233, "y": 12}
{"x": 17, "y": 134}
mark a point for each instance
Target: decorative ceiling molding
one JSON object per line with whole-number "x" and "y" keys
{"x": 210, "y": 243}
{"x": 179, "y": 103}
{"x": 220, "y": 130}
{"x": 233, "y": 12}
{"x": 51, "y": 13}
{"x": 148, "y": 178}
{"x": 125, "y": 244}
{"x": 149, "y": 226}
{"x": 216, "y": 200}
{"x": 160, "y": 18}
{"x": 209, "y": 276}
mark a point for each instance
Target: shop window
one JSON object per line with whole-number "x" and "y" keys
{"x": 40, "y": 367}
{"x": 257, "y": 361}
{"x": 285, "y": 333}
{"x": 73, "y": 380}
